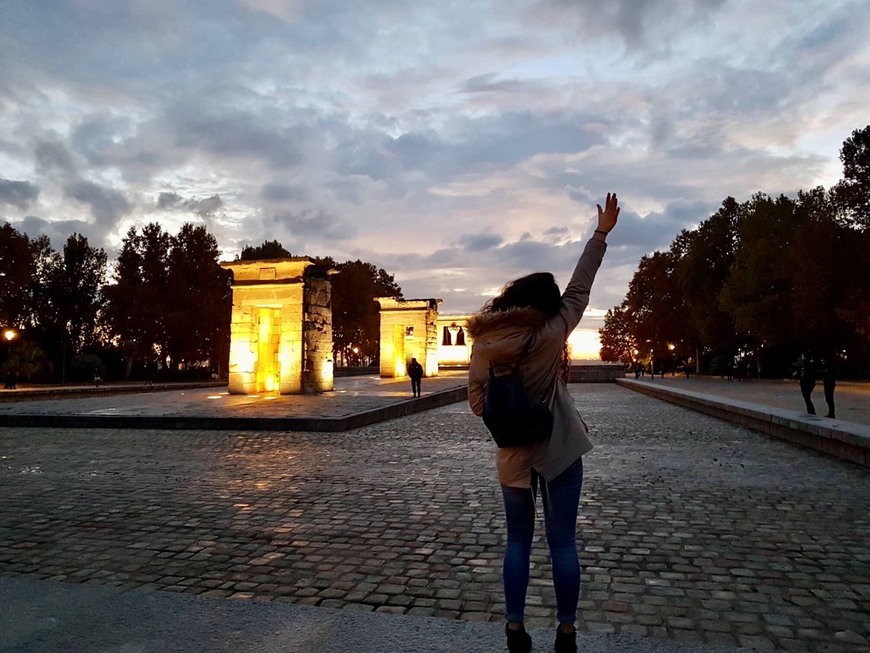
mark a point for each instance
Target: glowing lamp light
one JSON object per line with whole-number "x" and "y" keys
{"x": 9, "y": 334}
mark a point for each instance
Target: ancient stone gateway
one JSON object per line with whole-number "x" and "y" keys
{"x": 281, "y": 331}
{"x": 408, "y": 330}
{"x": 454, "y": 343}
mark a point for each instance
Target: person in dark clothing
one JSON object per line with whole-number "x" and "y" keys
{"x": 808, "y": 381}
{"x": 415, "y": 371}
{"x": 829, "y": 382}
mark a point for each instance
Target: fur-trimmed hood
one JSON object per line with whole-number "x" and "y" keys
{"x": 503, "y": 334}
{"x": 481, "y": 324}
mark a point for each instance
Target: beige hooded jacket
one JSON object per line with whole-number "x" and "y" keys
{"x": 500, "y": 337}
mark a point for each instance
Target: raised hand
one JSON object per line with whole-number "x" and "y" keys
{"x": 608, "y": 215}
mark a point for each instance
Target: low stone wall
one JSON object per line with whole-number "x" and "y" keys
{"x": 342, "y": 372}
{"x": 596, "y": 373}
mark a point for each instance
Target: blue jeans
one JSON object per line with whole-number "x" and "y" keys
{"x": 560, "y": 498}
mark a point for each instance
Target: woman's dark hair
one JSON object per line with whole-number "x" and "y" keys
{"x": 539, "y": 291}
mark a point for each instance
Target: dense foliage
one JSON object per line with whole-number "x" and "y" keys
{"x": 757, "y": 283}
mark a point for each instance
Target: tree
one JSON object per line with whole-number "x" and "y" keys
{"x": 617, "y": 339}
{"x": 355, "y": 316}
{"x": 759, "y": 290}
{"x": 655, "y": 305}
{"x": 71, "y": 299}
{"x": 198, "y": 300}
{"x": 136, "y": 302}
{"x": 709, "y": 255}
{"x": 816, "y": 287}
{"x": 853, "y": 191}
{"x": 21, "y": 263}
{"x": 268, "y": 250}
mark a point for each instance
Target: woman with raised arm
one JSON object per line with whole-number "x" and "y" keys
{"x": 528, "y": 325}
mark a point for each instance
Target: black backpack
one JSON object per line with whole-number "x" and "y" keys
{"x": 513, "y": 416}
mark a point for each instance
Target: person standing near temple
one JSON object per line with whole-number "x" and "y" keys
{"x": 808, "y": 380}
{"x": 829, "y": 381}
{"x": 415, "y": 371}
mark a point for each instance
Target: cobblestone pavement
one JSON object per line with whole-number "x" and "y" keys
{"x": 693, "y": 529}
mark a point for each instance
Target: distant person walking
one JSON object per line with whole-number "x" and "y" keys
{"x": 528, "y": 325}
{"x": 808, "y": 380}
{"x": 415, "y": 371}
{"x": 829, "y": 382}
{"x": 11, "y": 380}
{"x": 149, "y": 375}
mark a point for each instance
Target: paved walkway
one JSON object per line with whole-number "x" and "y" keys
{"x": 694, "y": 531}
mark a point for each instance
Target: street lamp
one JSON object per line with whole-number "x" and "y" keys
{"x": 10, "y": 335}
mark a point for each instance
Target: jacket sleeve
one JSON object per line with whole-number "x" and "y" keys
{"x": 575, "y": 299}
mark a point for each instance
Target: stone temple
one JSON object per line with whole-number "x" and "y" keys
{"x": 281, "y": 331}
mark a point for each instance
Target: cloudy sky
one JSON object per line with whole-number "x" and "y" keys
{"x": 455, "y": 144}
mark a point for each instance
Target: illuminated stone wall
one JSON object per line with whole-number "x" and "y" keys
{"x": 408, "y": 330}
{"x": 281, "y": 331}
{"x": 454, "y": 343}
{"x": 317, "y": 372}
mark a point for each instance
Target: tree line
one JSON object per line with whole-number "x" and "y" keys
{"x": 757, "y": 283}
{"x": 162, "y": 309}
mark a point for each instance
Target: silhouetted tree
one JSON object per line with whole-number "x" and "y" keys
{"x": 198, "y": 300}
{"x": 703, "y": 269}
{"x": 136, "y": 301}
{"x": 355, "y": 316}
{"x": 617, "y": 339}
{"x": 853, "y": 191}
{"x": 22, "y": 260}
{"x": 71, "y": 298}
{"x": 268, "y": 250}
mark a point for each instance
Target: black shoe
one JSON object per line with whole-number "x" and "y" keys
{"x": 518, "y": 641}
{"x": 565, "y": 642}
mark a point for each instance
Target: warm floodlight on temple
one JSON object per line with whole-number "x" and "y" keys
{"x": 281, "y": 331}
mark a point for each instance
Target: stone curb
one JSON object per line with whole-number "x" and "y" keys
{"x": 200, "y": 423}
{"x": 80, "y": 392}
{"x": 844, "y": 440}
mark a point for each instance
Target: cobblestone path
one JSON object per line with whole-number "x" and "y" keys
{"x": 693, "y": 529}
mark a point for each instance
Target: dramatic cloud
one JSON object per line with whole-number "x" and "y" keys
{"x": 20, "y": 194}
{"x": 457, "y": 145}
{"x": 107, "y": 205}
